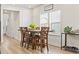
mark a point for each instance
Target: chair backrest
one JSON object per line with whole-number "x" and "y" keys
{"x": 23, "y": 29}
{"x": 44, "y": 32}
{"x": 25, "y": 32}
{"x": 44, "y": 28}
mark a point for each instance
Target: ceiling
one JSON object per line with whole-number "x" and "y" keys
{"x": 25, "y": 5}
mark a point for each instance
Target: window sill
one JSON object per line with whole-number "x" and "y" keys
{"x": 54, "y": 34}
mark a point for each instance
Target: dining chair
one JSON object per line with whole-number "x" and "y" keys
{"x": 35, "y": 42}
{"x": 30, "y": 39}
{"x": 23, "y": 35}
{"x": 27, "y": 38}
{"x": 44, "y": 38}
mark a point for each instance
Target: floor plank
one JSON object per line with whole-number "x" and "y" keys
{"x": 12, "y": 46}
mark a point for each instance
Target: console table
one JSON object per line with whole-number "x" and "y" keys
{"x": 66, "y": 38}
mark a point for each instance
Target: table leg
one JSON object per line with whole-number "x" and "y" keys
{"x": 61, "y": 41}
{"x": 65, "y": 40}
{"x": 21, "y": 40}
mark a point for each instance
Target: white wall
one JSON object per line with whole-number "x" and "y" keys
{"x": 36, "y": 14}
{"x": 69, "y": 16}
{"x": 24, "y": 18}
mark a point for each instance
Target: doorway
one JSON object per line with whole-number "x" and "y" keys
{"x": 11, "y": 23}
{"x": 5, "y": 22}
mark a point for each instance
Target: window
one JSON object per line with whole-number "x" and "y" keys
{"x": 44, "y": 19}
{"x": 55, "y": 21}
{"x": 52, "y": 20}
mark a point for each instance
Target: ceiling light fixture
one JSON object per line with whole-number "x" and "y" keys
{"x": 48, "y": 7}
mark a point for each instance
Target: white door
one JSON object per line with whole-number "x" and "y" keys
{"x": 5, "y": 22}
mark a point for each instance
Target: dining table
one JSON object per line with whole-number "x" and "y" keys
{"x": 34, "y": 34}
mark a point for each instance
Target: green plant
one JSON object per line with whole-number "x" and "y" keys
{"x": 67, "y": 29}
{"x": 33, "y": 25}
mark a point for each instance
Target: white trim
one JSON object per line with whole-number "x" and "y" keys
{"x": 54, "y": 34}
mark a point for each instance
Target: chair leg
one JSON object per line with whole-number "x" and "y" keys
{"x": 47, "y": 44}
{"x": 38, "y": 43}
{"x": 28, "y": 42}
{"x": 41, "y": 46}
{"x": 47, "y": 48}
{"x": 27, "y": 46}
{"x": 32, "y": 46}
{"x": 41, "y": 49}
{"x": 21, "y": 44}
{"x": 35, "y": 42}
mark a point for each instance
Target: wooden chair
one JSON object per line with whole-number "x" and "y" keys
{"x": 27, "y": 39}
{"x": 44, "y": 38}
{"x": 30, "y": 40}
{"x": 35, "y": 41}
{"x": 24, "y": 35}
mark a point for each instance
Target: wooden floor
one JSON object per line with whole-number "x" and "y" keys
{"x": 12, "y": 46}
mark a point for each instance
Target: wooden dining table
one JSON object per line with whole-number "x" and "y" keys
{"x": 34, "y": 34}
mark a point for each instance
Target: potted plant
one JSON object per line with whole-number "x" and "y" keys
{"x": 68, "y": 29}
{"x": 33, "y": 26}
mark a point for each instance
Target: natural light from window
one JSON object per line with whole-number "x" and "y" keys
{"x": 51, "y": 20}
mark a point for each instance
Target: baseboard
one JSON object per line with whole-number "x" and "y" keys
{"x": 53, "y": 45}
{"x": 12, "y": 38}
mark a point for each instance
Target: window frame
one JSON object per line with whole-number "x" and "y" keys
{"x": 50, "y": 23}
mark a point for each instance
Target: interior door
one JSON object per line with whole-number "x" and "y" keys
{"x": 5, "y": 22}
